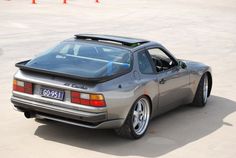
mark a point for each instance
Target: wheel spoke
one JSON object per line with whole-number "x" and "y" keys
{"x": 139, "y": 106}
{"x": 140, "y": 124}
{"x": 136, "y": 122}
{"x": 136, "y": 114}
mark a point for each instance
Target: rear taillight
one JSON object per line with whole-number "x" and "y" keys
{"x": 96, "y": 100}
{"x": 21, "y": 86}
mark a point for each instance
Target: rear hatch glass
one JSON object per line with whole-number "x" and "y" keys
{"x": 84, "y": 60}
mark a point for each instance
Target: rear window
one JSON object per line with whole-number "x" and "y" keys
{"x": 84, "y": 60}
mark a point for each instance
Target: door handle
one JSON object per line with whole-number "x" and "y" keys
{"x": 162, "y": 81}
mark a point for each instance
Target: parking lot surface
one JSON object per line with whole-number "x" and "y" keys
{"x": 196, "y": 30}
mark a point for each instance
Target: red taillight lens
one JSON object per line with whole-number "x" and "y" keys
{"x": 28, "y": 88}
{"x": 96, "y": 100}
{"x": 75, "y": 94}
{"x": 75, "y": 97}
{"x": 21, "y": 86}
{"x": 97, "y": 103}
{"x": 84, "y": 101}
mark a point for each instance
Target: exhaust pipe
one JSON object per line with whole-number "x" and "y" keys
{"x": 29, "y": 114}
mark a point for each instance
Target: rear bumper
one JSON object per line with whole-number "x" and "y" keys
{"x": 70, "y": 116}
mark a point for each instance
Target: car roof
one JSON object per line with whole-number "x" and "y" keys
{"x": 124, "y": 42}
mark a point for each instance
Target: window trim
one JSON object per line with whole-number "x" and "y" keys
{"x": 167, "y": 53}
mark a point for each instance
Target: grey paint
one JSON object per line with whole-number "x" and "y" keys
{"x": 120, "y": 93}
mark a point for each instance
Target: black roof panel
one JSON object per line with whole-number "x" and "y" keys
{"x": 133, "y": 42}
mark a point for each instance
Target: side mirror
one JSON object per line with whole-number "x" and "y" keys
{"x": 182, "y": 64}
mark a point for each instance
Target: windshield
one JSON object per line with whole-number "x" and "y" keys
{"x": 84, "y": 60}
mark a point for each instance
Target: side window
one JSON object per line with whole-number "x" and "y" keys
{"x": 161, "y": 60}
{"x": 145, "y": 66}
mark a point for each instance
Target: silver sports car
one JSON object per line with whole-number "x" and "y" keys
{"x": 101, "y": 81}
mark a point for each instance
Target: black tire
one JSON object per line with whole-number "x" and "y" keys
{"x": 127, "y": 129}
{"x": 199, "y": 100}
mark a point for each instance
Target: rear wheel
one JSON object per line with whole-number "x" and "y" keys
{"x": 137, "y": 120}
{"x": 201, "y": 95}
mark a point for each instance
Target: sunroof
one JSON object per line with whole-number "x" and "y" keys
{"x": 130, "y": 42}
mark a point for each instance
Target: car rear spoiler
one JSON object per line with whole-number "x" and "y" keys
{"x": 22, "y": 66}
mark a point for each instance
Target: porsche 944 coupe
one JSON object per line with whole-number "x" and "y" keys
{"x": 103, "y": 81}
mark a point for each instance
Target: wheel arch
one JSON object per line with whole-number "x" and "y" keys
{"x": 126, "y": 130}
{"x": 150, "y": 102}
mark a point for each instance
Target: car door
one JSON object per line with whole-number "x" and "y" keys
{"x": 173, "y": 81}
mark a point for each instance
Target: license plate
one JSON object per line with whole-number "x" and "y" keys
{"x": 52, "y": 93}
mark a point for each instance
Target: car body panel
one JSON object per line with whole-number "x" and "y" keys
{"x": 120, "y": 93}
{"x": 175, "y": 86}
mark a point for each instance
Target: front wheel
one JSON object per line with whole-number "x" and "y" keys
{"x": 137, "y": 120}
{"x": 201, "y": 95}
